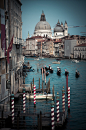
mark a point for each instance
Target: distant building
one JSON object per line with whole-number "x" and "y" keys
{"x": 80, "y": 51}
{"x": 68, "y": 47}
{"x": 43, "y": 29}
{"x": 58, "y": 48}
{"x": 31, "y": 45}
{"x": 60, "y": 30}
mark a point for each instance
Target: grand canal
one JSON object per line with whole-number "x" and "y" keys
{"x": 76, "y": 119}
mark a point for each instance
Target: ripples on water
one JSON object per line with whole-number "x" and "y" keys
{"x": 77, "y": 116}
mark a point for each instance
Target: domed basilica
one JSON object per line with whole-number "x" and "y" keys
{"x": 43, "y": 29}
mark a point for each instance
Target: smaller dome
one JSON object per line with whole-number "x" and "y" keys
{"x": 58, "y": 27}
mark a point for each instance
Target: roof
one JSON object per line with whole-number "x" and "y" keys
{"x": 41, "y": 40}
{"x": 81, "y": 45}
{"x": 34, "y": 37}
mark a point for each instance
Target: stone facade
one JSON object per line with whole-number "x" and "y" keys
{"x": 80, "y": 51}
{"x": 13, "y": 27}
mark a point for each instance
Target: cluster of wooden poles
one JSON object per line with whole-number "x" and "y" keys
{"x": 52, "y": 104}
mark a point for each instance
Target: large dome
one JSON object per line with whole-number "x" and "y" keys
{"x": 43, "y": 28}
{"x": 58, "y": 28}
{"x": 42, "y": 25}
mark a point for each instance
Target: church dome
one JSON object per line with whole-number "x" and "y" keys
{"x": 58, "y": 28}
{"x": 42, "y": 24}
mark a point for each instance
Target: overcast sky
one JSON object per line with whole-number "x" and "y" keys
{"x": 73, "y": 11}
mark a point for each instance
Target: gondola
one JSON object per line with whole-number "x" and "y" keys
{"x": 77, "y": 74}
{"x": 59, "y": 73}
{"x": 66, "y": 73}
{"x": 51, "y": 70}
{"x": 47, "y": 73}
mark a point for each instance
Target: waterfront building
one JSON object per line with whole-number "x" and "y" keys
{"x": 68, "y": 47}
{"x": 58, "y": 48}
{"x": 80, "y": 51}
{"x": 4, "y": 68}
{"x": 31, "y": 45}
{"x": 13, "y": 36}
{"x": 45, "y": 47}
{"x": 14, "y": 28}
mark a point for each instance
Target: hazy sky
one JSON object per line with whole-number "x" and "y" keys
{"x": 73, "y": 11}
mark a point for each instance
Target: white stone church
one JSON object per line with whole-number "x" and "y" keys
{"x": 43, "y": 29}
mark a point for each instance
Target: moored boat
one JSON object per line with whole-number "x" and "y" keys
{"x": 56, "y": 62}
{"x": 77, "y": 74}
{"x": 58, "y": 71}
{"x": 75, "y": 61}
{"x": 40, "y": 96}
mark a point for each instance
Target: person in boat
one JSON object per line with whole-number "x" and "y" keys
{"x": 66, "y": 72}
{"x": 51, "y": 70}
{"x": 58, "y": 71}
{"x": 77, "y": 74}
{"x": 47, "y": 73}
{"x": 49, "y": 67}
{"x": 46, "y": 68}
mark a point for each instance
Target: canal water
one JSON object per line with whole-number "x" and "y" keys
{"x": 76, "y": 119}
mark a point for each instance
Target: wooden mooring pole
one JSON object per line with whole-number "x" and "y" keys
{"x": 57, "y": 107}
{"x": 42, "y": 86}
{"x": 67, "y": 84}
{"x": 63, "y": 99}
{"x": 39, "y": 83}
{"x": 33, "y": 82}
{"x": 31, "y": 88}
{"x": 53, "y": 92}
{"x": 24, "y": 97}
{"x": 68, "y": 98}
{"x": 34, "y": 95}
{"x": 40, "y": 120}
{"x": 52, "y": 115}
{"x": 12, "y": 103}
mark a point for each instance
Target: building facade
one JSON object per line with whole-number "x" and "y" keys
{"x": 80, "y": 51}
{"x": 68, "y": 47}
{"x": 13, "y": 29}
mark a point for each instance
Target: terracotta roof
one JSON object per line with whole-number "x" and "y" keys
{"x": 41, "y": 41}
{"x": 81, "y": 45}
{"x": 34, "y": 37}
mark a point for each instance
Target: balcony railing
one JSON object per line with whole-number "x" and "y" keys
{"x": 18, "y": 41}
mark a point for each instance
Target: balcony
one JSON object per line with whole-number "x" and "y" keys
{"x": 18, "y": 41}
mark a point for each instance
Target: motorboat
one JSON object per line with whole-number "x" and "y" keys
{"x": 40, "y": 96}
{"x": 56, "y": 62}
{"x": 36, "y": 59}
{"x": 75, "y": 61}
